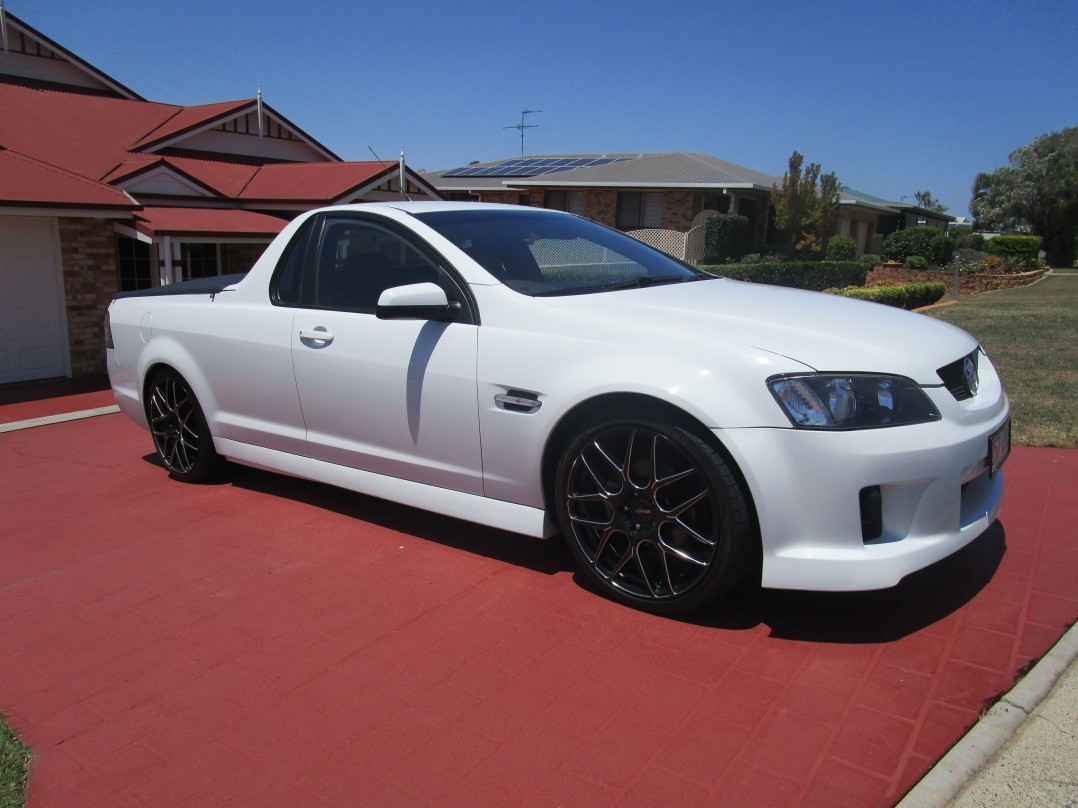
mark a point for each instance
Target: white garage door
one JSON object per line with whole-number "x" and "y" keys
{"x": 33, "y": 329}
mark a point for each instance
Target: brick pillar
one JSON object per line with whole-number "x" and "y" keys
{"x": 88, "y": 257}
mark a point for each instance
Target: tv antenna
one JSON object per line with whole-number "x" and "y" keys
{"x": 522, "y": 126}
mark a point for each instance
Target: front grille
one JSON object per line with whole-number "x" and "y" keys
{"x": 954, "y": 377}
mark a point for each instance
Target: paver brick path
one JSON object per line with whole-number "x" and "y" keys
{"x": 266, "y": 641}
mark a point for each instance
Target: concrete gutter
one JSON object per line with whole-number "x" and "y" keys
{"x": 1024, "y": 751}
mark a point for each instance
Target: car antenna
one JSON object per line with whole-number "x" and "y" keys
{"x": 400, "y": 178}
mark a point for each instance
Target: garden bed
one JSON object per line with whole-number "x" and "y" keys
{"x": 968, "y": 284}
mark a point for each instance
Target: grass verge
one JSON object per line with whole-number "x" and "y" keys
{"x": 14, "y": 768}
{"x": 1031, "y": 333}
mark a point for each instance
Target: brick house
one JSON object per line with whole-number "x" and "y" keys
{"x": 663, "y": 190}
{"x": 102, "y": 191}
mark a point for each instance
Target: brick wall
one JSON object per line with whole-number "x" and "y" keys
{"x": 88, "y": 257}
{"x": 678, "y": 210}
{"x": 967, "y": 284}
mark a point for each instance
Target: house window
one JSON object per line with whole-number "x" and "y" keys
{"x": 571, "y": 201}
{"x": 133, "y": 257}
{"x": 716, "y": 202}
{"x": 199, "y": 260}
{"x": 637, "y": 210}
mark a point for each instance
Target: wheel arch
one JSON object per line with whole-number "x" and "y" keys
{"x": 610, "y": 406}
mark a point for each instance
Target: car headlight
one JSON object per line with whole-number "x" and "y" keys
{"x": 851, "y": 400}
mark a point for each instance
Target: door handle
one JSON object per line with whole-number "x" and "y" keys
{"x": 318, "y": 334}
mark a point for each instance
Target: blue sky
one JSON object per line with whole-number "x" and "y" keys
{"x": 893, "y": 97}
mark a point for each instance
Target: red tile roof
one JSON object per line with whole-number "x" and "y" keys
{"x": 219, "y": 177}
{"x": 187, "y": 119}
{"x": 86, "y": 134}
{"x": 312, "y": 182}
{"x": 206, "y": 222}
{"x": 26, "y": 181}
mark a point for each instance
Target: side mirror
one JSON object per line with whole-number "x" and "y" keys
{"x": 416, "y": 301}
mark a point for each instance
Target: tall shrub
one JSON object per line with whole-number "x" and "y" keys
{"x": 1021, "y": 252}
{"x": 940, "y": 250}
{"x": 841, "y": 248}
{"x": 901, "y": 244}
{"x": 726, "y": 238}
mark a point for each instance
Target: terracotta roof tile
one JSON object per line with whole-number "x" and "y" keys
{"x": 312, "y": 182}
{"x": 26, "y": 181}
{"x": 207, "y": 222}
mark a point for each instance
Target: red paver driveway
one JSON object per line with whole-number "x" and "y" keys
{"x": 266, "y": 641}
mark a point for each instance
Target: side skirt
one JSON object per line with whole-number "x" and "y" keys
{"x": 469, "y": 507}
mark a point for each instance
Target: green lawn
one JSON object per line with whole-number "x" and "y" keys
{"x": 14, "y": 766}
{"x": 1031, "y": 333}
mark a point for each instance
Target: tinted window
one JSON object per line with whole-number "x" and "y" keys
{"x": 287, "y": 284}
{"x": 359, "y": 259}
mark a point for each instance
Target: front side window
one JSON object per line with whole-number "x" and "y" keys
{"x": 358, "y": 260}
{"x": 545, "y": 253}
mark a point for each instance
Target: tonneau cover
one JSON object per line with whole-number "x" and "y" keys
{"x": 198, "y": 286}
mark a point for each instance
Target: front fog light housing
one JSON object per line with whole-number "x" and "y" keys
{"x": 851, "y": 400}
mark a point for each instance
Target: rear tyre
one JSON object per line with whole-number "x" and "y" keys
{"x": 653, "y": 515}
{"x": 180, "y": 433}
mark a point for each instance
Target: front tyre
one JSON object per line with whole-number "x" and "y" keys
{"x": 653, "y": 515}
{"x": 180, "y": 433}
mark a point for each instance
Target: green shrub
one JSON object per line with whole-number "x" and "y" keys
{"x": 901, "y": 244}
{"x": 752, "y": 258}
{"x": 1020, "y": 252}
{"x": 904, "y": 296}
{"x": 814, "y": 275}
{"x": 968, "y": 241}
{"x": 956, "y": 233}
{"x": 916, "y": 262}
{"x": 941, "y": 249}
{"x": 841, "y": 248}
{"x": 993, "y": 265}
{"x": 870, "y": 260}
{"x": 726, "y": 238}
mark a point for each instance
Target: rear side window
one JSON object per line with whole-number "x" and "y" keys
{"x": 286, "y": 288}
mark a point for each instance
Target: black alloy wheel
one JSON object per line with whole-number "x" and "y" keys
{"x": 180, "y": 433}
{"x": 653, "y": 515}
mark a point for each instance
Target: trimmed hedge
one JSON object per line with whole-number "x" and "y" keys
{"x": 727, "y": 236}
{"x": 901, "y": 244}
{"x": 813, "y": 275}
{"x": 1020, "y": 251}
{"x": 905, "y": 296}
{"x": 841, "y": 248}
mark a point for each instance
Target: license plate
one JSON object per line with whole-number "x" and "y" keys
{"x": 999, "y": 446}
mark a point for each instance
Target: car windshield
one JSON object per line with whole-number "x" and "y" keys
{"x": 543, "y": 253}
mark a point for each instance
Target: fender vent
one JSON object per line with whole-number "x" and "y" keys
{"x": 517, "y": 401}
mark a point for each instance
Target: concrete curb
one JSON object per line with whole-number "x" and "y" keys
{"x": 14, "y": 426}
{"x": 946, "y": 780}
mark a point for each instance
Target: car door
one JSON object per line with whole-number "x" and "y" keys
{"x": 395, "y": 397}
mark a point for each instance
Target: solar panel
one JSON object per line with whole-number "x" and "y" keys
{"x": 532, "y": 166}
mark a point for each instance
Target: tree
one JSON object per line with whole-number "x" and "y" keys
{"x": 806, "y": 205}
{"x": 928, "y": 202}
{"x": 1038, "y": 191}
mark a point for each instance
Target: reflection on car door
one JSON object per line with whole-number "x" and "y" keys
{"x": 395, "y": 397}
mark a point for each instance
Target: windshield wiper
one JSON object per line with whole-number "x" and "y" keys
{"x": 647, "y": 280}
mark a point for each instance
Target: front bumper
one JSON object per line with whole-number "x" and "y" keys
{"x": 936, "y": 490}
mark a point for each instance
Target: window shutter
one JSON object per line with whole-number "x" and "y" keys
{"x": 653, "y": 210}
{"x": 577, "y": 202}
